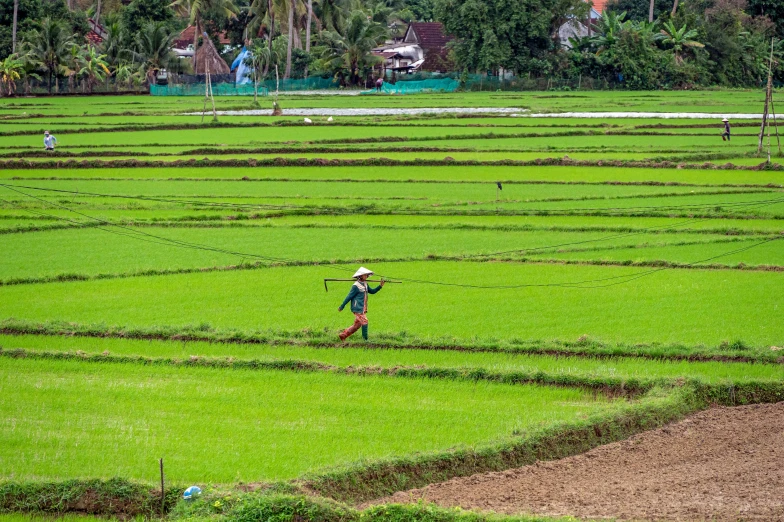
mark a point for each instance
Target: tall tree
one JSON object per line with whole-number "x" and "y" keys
{"x": 292, "y": 6}
{"x": 640, "y": 10}
{"x": 152, "y": 49}
{"x": 141, "y": 12}
{"x": 513, "y": 34}
{"x": 350, "y": 54}
{"x": 48, "y": 46}
{"x": 15, "y": 23}
{"x": 196, "y": 9}
{"x": 307, "y": 31}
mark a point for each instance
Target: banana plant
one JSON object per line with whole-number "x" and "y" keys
{"x": 95, "y": 68}
{"x": 679, "y": 39}
{"x": 11, "y": 69}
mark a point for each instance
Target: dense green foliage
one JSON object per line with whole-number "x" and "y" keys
{"x": 686, "y": 45}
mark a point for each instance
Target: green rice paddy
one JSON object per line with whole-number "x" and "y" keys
{"x": 627, "y": 232}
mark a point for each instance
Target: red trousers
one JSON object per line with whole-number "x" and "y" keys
{"x": 360, "y": 320}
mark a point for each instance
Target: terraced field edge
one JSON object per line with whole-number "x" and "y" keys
{"x": 734, "y": 350}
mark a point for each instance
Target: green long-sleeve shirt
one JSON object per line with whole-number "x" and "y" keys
{"x": 357, "y": 296}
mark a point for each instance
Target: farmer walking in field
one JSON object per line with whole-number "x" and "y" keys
{"x": 49, "y": 140}
{"x": 725, "y": 136}
{"x": 358, "y": 295}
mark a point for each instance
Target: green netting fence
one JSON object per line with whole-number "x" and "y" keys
{"x": 315, "y": 83}
{"x": 413, "y": 87}
{"x": 197, "y": 89}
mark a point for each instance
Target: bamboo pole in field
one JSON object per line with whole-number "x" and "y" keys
{"x": 768, "y": 94}
{"x": 354, "y": 280}
{"x": 163, "y": 493}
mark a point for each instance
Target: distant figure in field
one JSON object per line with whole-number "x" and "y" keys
{"x": 358, "y": 295}
{"x": 725, "y": 136}
{"x": 379, "y": 84}
{"x": 49, "y": 141}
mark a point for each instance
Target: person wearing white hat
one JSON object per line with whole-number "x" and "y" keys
{"x": 359, "y": 303}
{"x": 49, "y": 141}
{"x": 725, "y": 136}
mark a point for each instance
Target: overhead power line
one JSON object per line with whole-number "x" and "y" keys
{"x": 126, "y": 231}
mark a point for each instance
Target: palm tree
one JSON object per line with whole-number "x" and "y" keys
{"x": 95, "y": 68}
{"x": 291, "y": 7}
{"x": 14, "y": 25}
{"x": 258, "y": 14}
{"x": 351, "y": 52}
{"x": 11, "y": 69}
{"x": 152, "y": 49}
{"x": 113, "y": 46}
{"x": 260, "y": 58}
{"x": 678, "y": 39}
{"x": 308, "y": 23}
{"x": 331, "y": 15}
{"x": 48, "y": 46}
{"x": 195, "y": 10}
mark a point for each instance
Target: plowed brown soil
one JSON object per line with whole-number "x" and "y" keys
{"x": 720, "y": 464}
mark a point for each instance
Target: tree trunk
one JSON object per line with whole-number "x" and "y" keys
{"x": 271, "y": 12}
{"x": 98, "y": 13}
{"x": 307, "y": 32}
{"x": 195, "y": 42}
{"x": 13, "y": 30}
{"x": 650, "y": 12}
{"x": 674, "y": 8}
{"x": 287, "y": 73}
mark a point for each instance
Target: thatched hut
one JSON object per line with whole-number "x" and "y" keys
{"x": 208, "y": 59}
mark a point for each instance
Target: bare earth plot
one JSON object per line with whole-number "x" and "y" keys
{"x": 719, "y": 464}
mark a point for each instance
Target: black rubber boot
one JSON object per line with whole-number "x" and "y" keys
{"x": 364, "y": 331}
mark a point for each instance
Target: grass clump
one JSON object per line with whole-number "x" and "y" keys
{"x": 114, "y": 497}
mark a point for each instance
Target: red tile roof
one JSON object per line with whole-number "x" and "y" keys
{"x": 599, "y": 5}
{"x": 431, "y": 38}
{"x": 429, "y": 35}
{"x": 93, "y": 38}
{"x": 186, "y": 38}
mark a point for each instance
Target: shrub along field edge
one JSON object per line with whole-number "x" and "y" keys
{"x": 731, "y": 351}
{"x": 113, "y": 497}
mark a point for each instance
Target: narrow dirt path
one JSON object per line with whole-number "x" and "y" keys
{"x": 720, "y": 464}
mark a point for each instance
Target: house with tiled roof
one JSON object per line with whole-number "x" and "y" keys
{"x": 423, "y": 48}
{"x": 185, "y": 38}
{"x": 97, "y": 33}
{"x": 581, "y": 28}
{"x": 433, "y": 41}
